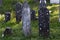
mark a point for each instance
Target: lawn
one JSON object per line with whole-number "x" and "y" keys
{"x": 17, "y": 28}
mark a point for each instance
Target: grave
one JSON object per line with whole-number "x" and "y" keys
{"x": 18, "y": 12}
{"x": 43, "y": 15}
{"x": 33, "y": 16}
{"x": 7, "y": 32}
{"x": 26, "y": 19}
{"x": 7, "y": 16}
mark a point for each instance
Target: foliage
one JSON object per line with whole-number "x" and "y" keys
{"x": 17, "y": 28}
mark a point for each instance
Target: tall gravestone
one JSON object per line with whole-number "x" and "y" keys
{"x": 43, "y": 19}
{"x": 26, "y": 19}
{"x": 33, "y": 16}
{"x": 18, "y": 12}
{"x": 7, "y": 16}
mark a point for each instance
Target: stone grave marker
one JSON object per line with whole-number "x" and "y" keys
{"x": 7, "y": 32}
{"x": 7, "y": 16}
{"x": 33, "y": 16}
{"x": 26, "y": 14}
{"x": 43, "y": 14}
{"x": 18, "y": 12}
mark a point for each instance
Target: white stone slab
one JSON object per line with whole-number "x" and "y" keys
{"x": 54, "y": 1}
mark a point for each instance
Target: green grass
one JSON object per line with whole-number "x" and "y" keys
{"x": 17, "y": 28}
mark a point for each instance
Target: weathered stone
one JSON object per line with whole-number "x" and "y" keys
{"x": 7, "y": 16}
{"x": 42, "y": 3}
{"x": 33, "y": 16}
{"x": 18, "y": 12}
{"x": 8, "y": 31}
{"x": 26, "y": 19}
{"x": 43, "y": 20}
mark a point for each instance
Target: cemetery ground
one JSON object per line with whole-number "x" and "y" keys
{"x": 17, "y": 28}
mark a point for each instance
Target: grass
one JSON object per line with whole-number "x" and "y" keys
{"x": 17, "y": 28}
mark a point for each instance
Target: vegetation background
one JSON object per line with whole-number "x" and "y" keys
{"x": 9, "y": 5}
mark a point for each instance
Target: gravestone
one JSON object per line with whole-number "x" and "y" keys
{"x": 33, "y": 16}
{"x": 43, "y": 21}
{"x": 7, "y": 32}
{"x": 42, "y": 3}
{"x": 26, "y": 19}
{"x": 18, "y": 12}
{"x": 7, "y": 16}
